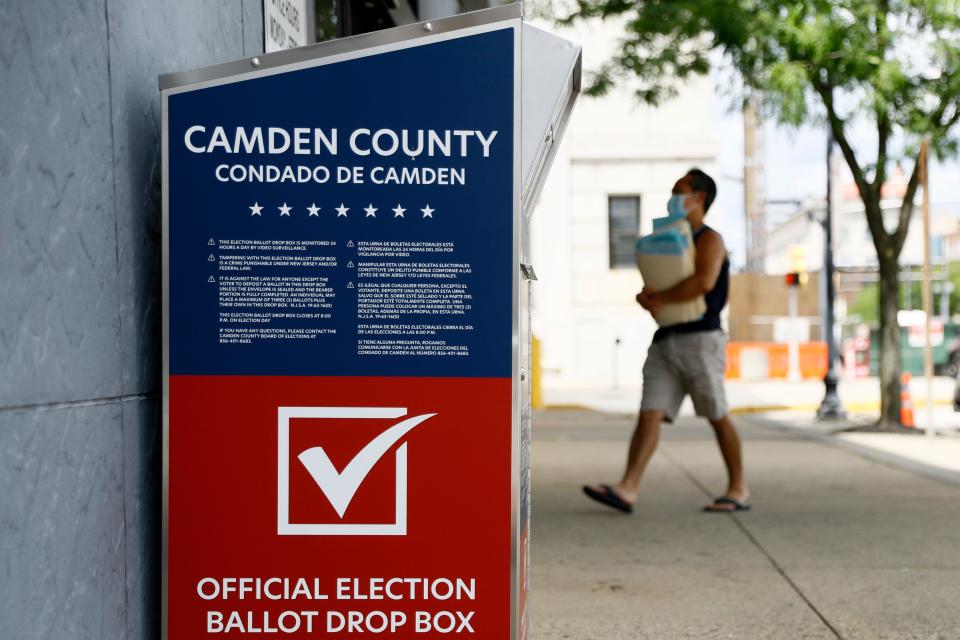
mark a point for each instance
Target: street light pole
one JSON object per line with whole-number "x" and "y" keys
{"x": 830, "y": 408}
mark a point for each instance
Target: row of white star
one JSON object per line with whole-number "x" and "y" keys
{"x": 314, "y": 210}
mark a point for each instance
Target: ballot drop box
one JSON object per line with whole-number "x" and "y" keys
{"x": 346, "y": 331}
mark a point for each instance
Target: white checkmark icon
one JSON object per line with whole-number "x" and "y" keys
{"x": 341, "y": 487}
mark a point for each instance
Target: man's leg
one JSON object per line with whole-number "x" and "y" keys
{"x": 642, "y": 445}
{"x": 704, "y": 357}
{"x": 662, "y": 394}
{"x": 729, "y": 441}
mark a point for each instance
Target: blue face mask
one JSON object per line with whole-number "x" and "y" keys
{"x": 675, "y": 205}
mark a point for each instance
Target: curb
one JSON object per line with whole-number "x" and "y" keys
{"x": 563, "y": 407}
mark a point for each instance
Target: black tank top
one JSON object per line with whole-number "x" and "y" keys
{"x": 716, "y": 300}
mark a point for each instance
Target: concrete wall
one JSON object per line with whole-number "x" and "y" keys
{"x": 80, "y": 302}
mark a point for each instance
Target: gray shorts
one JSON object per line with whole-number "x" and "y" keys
{"x": 686, "y": 363}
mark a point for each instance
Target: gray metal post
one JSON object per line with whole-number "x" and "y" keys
{"x": 831, "y": 408}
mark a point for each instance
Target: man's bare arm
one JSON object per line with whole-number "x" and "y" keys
{"x": 710, "y": 256}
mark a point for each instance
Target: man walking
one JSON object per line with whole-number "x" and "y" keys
{"x": 686, "y": 358}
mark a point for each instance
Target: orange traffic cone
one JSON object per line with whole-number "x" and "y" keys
{"x": 906, "y": 404}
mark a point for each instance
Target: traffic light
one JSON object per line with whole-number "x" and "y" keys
{"x": 795, "y": 279}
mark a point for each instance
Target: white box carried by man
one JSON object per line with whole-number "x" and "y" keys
{"x": 666, "y": 257}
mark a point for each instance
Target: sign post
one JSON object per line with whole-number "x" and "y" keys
{"x": 287, "y": 24}
{"x": 346, "y": 411}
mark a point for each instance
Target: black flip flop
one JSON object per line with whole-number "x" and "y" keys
{"x": 609, "y": 497}
{"x": 737, "y": 505}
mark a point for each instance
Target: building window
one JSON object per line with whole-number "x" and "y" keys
{"x": 624, "y": 227}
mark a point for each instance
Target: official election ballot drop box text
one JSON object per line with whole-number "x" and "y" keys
{"x": 346, "y": 330}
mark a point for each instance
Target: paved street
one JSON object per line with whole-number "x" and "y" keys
{"x": 837, "y": 546}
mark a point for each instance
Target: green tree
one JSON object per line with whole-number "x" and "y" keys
{"x": 892, "y": 63}
{"x": 864, "y": 307}
{"x": 953, "y": 277}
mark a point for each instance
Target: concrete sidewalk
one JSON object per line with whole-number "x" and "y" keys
{"x": 937, "y": 456}
{"x": 837, "y": 546}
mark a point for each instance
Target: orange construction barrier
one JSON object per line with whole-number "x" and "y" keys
{"x": 906, "y": 404}
{"x": 813, "y": 359}
{"x": 778, "y": 360}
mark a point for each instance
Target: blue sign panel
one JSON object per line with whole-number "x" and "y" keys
{"x": 353, "y": 218}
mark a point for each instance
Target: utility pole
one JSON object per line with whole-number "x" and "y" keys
{"x": 927, "y": 298}
{"x": 831, "y": 408}
{"x": 753, "y": 206}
